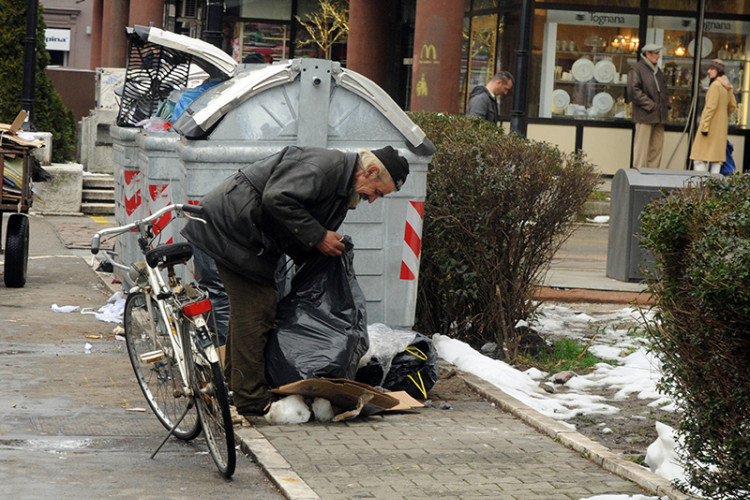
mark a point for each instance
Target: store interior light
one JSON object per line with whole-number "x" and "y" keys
{"x": 679, "y": 51}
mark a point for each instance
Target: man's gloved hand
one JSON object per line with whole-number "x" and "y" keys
{"x": 331, "y": 245}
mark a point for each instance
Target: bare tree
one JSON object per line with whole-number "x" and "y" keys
{"x": 326, "y": 25}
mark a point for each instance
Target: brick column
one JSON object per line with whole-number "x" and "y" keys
{"x": 437, "y": 55}
{"x": 366, "y": 49}
{"x": 144, "y": 12}
{"x": 114, "y": 41}
{"x": 96, "y": 34}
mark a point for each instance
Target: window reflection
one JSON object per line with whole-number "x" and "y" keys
{"x": 482, "y": 46}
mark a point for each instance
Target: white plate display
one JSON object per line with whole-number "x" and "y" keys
{"x": 602, "y": 103}
{"x": 560, "y": 100}
{"x": 583, "y": 70}
{"x": 605, "y": 71}
{"x": 708, "y": 46}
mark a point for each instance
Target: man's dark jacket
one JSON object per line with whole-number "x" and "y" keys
{"x": 482, "y": 104}
{"x": 282, "y": 204}
{"x": 648, "y": 93}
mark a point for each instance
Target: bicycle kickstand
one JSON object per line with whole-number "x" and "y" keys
{"x": 171, "y": 431}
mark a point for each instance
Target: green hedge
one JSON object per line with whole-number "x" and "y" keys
{"x": 498, "y": 207}
{"x": 50, "y": 115}
{"x": 700, "y": 238}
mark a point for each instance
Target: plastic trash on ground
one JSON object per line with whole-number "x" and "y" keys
{"x": 399, "y": 360}
{"x": 321, "y": 325}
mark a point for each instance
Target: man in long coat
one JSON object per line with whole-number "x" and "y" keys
{"x": 647, "y": 91}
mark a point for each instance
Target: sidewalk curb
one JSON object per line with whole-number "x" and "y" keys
{"x": 576, "y": 441}
{"x": 592, "y": 296}
{"x": 275, "y": 466}
{"x": 252, "y": 442}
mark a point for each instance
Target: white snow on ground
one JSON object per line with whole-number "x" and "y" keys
{"x": 620, "y": 497}
{"x": 599, "y": 219}
{"x": 637, "y": 373}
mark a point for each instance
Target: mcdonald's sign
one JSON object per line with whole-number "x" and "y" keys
{"x": 428, "y": 54}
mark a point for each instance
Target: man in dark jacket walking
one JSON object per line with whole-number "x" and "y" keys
{"x": 647, "y": 91}
{"x": 289, "y": 203}
{"x": 483, "y": 98}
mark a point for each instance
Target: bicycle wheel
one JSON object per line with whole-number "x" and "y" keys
{"x": 213, "y": 404}
{"x": 156, "y": 368}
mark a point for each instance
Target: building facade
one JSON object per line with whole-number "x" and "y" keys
{"x": 570, "y": 57}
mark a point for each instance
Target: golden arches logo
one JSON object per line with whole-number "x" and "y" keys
{"x": 428, "y": 54}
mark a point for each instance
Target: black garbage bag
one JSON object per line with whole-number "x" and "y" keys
{"x": 414, "y": 369}
{"x": 38, "y": 173}
{"x": 321, "y": 325}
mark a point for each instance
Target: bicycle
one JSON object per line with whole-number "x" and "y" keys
{"x": 173, "y": 351}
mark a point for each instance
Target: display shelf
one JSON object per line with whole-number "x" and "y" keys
{"x": 589, "y": 82}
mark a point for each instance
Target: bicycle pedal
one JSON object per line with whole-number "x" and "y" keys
{"x": 153, "y": 356}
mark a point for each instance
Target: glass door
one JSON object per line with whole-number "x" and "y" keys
{"x": 482, "y": 51}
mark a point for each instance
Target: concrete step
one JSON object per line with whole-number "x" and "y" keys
{"x": 101, "y": 195}
{"x": 98, "y": 181}
{"x": 592, "y": 208}
{"x": 93, "y": 208}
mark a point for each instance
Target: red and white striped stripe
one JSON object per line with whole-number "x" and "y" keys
{"x": 159, "y": 195}
{"x": 132, "y": 190}
{"x": 412, "y": 240}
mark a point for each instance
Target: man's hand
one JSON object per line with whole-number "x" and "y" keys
{"x": 331, "y": 245}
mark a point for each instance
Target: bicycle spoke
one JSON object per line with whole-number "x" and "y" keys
{"x": 155, "y": 367}
{"x": 213, "y": 406}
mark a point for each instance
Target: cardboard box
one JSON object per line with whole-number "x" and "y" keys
{"x": 354, "y": 398}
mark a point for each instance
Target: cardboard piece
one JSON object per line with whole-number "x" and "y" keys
{"x": 18, "y": 122}
{"x": 405, "y": 401}
{"x": 354, "y": 398}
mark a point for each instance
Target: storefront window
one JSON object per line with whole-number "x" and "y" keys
{"x": 581, "y": 60}
{"x": 728, "y": 6}
{"x": 482, "y": 50}
{"x": 733, "y": 7}
{"x": 484, "y": 4}
{"x": 463, "y": 90}
{"x": 723, "y": 39}
{"x": 607, "y": 3}
{"x": 269, "y": 40}
{"x": 259, "y": 9}
{"x": 684, "y": 5}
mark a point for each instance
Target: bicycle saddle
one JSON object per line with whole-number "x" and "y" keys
{"x": 169, "y": 255}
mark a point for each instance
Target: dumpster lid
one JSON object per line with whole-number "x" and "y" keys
{"x": 205, "y": 112}
{"x": 212, "y": 59}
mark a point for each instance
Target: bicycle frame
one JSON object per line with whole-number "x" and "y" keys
{"x": 159, "y": 291}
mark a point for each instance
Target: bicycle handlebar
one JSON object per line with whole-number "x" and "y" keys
{"x": 179, "y": 208}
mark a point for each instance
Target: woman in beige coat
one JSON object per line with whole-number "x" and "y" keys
{"x": 710, "y": 144}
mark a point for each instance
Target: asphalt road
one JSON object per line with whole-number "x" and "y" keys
{"x": 71, "y": 422}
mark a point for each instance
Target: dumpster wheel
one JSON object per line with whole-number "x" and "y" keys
{"x": 16, "y": 250}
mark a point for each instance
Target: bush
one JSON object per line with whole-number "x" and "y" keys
{"x": 498, "y": 207}
{"x": 49, "y": 113}
{"x": 700, "y": 238}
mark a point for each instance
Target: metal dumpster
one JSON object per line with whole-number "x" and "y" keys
{"x": 148, "y": 174}
{"x": 314, "y": 102}
{"x": 632, "y": 191}
{"x": 129, "y": 188}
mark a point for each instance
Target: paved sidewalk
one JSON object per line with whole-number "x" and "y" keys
{"x": 487, "y": 445}
{"x": 490, "y": 446}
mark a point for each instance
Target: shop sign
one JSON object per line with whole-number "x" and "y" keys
{"x": 725, "y": 26}
{"x": 57, "y": 39}
{"x": 609, "y": 19}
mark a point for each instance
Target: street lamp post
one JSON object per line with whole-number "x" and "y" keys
{"x": 29, "y": 64}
